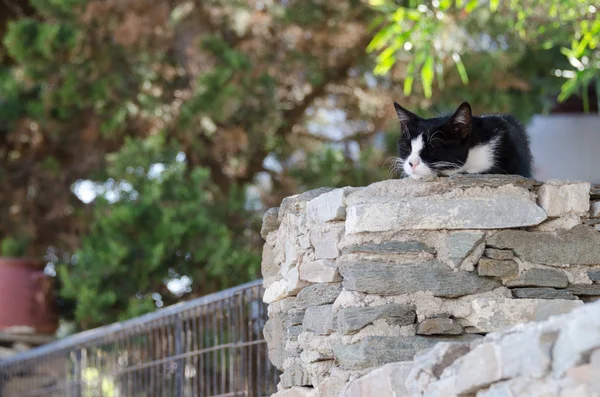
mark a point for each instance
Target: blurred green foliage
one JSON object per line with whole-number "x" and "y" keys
{"x": 437, "y": 34}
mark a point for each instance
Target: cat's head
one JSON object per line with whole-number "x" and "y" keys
{"x": 439, "y": 145}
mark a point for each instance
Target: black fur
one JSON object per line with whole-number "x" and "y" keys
{"x": 449, "y": 138}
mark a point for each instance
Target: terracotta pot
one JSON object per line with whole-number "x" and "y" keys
{"x": 26, "y": 296}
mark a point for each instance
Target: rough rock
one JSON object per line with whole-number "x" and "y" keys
{"x": 461, "y": 244}
{"x": 497, "y": 314}
{"x": 269, "y": 267}
{"x": 296, "y": 392}
{"x": 568, "y": 222}
{"x": 319, "y": 319}
{"x": 540, "y": 278}
{"x": 559, "y": 197}
{"x": 595, "y": 209}
{"x": 378, "y": 350}
{"x": 275, "y": 291}
{"x": 542, "y": 293}
{"x": 353, "y": 319}
{"x": 328, "y": 207}
{"x": 585, "y": 289}
{"x": 468, "y": 212}
{"x": 430, "y": 364}
{"x": 319, "y": 271}
{"x": 439, "y": 326}
{"x": 390, "y": 247}
{"x": 387, "y": 381}
{"x": 294, "y": 376}
{"x": 493, "y": 253}
{"x": 578, "y": 246}
{"x": 594, "y": 275}
{"x": 270, "y": 222}
{"x": 325, "y": 242}
{"x": 497, "y": 268}
{"x": 393, "y": 279}
{"x": 275, "y": 334}
{"x": 318, "y": 294}
{"x": 297, "y": 203}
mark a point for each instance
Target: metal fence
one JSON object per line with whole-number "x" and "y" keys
{"x": 210, "y": 347}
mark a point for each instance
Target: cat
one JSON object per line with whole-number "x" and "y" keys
{"x": 462, "y": 143}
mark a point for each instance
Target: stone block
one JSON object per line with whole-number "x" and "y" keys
{"x": 325, "y": 242}
{"x": 487, "y": 211}
{"x": 378, "y": 350}
{"x": 269, "y": 267}
{"x": 595, "y": 209}
{"x": 594, "y": 275}
{"x": 297, "y": 204}
{"x": 397, "y": 279}
{"x": 320, "y": 271}
{"x": 353, "y": 319}
{"x": 559, "y": 197}
{"x": 270, "y": 222}
{"x": 540, "y": 278}
{"x": 387, "y": 381}
{"x": 276, "y": 291}
{"x": 497, "y": 268}
{"x": 328, "y": 206}
{"x": 318, "y": 294}
{"x": 502, "y": 255}
{"x": 296, "y": 392}
{"x": 439, "y": 326}
{"x": 294, "y": 376}
{"x": 429, "y": 365}
{"x": 584, "y": 289}
{"x": 497, "y": 314}
{"x": 275, "y": 334}
{"x": 542, "y": 293}
{"x": 319, "y": 319}
{"x": 578, "y": 246}
{"x": 479, "y": 368}
{"x": 390, "y": 247}
{"x": 522, "y": 386}
{"x": 461, "y": 244}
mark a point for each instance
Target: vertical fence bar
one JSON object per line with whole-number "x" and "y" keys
{"x": 179, "y": 370}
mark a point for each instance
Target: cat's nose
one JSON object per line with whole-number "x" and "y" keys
{"x": 414, "y": 163}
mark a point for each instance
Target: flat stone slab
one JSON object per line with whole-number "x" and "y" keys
{"x": 540, "y": 278}
{"x": 353, "y": 319}
{"x": 497, "y": 268}
{"x": 394, "y": 279}
{"x": 461, "y": 244}
{"x": 318, "y": 294}
{"x": 578, "y": 246}
{"x": 542, "y": 293}
{"x": 585, "y": 289}
{"x": 594, "y": 275}
{"x": 378, "y": 350}
{"x": 389, "y": 247}
{"x": 439, "y": 326}
{"x": 495, "y": 211}
{"x": 494, "y": 253}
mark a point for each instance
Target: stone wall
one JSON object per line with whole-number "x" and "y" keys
{"x": 361, "y": 277}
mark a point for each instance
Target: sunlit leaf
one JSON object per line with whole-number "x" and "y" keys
{"x": 427, "y": 76}
{"x": 408, "y": 81}
{"x": 494, "y": 5}
{"x": 462, "y": 71}
{"x": 471, "y": 5}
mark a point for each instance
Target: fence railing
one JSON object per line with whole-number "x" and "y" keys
{"x": 209, "y": 347}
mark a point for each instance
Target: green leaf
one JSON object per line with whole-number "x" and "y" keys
{"x": 462, "y": 71}
{"x": 471, "y": 5}
{"x": 427, "y": 76}
{"x": 494, "y": 5}
{"x": 408, "y": 81}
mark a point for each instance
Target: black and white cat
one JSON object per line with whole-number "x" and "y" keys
{"x": 462, "y": 143}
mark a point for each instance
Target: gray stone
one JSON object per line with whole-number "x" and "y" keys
{"x": 578, "y": 246}
{"x": 275, "y": 335}
{"x": 270, "y": 222}
{"x": 318, "y": 294}
{"x": 353, "y": 319}
{"x": 439, "y": 326}
{"x": 540, "y": 278}
{"x": 319, "y": 319}
{"x": 461, "y": 244}
{"x": 396, "y": 279}
{"x": 296, "y": 392}
{"x": 328, "y": 207}
{"x": 595, "y": 209}
{"x": 431, "y": 213}
{"x": 494, "y": 253}
{"x": 297, "y": 203}
{"x": 497, "y": 268}
{"x": 294, "y": 376}
{"x": 585, "y": 289}
{"x": 378, "y": 350}
{"x": 293, "y": 332}
{"x": 390, "y": 247}
{"x": 594, "y": 275}
{"x": 561, "y": 197}
{"x": 542, "y": 293}
{"x": 478, "y": 368}
{"x": 325, "y": 242}
{"x": 268, "y": 267}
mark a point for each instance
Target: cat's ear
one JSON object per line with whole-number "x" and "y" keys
{"x": 404, "y": 115}
{"x": 461, "y": 121}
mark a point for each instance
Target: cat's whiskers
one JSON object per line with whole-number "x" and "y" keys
{"x": 395, "y": 165}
